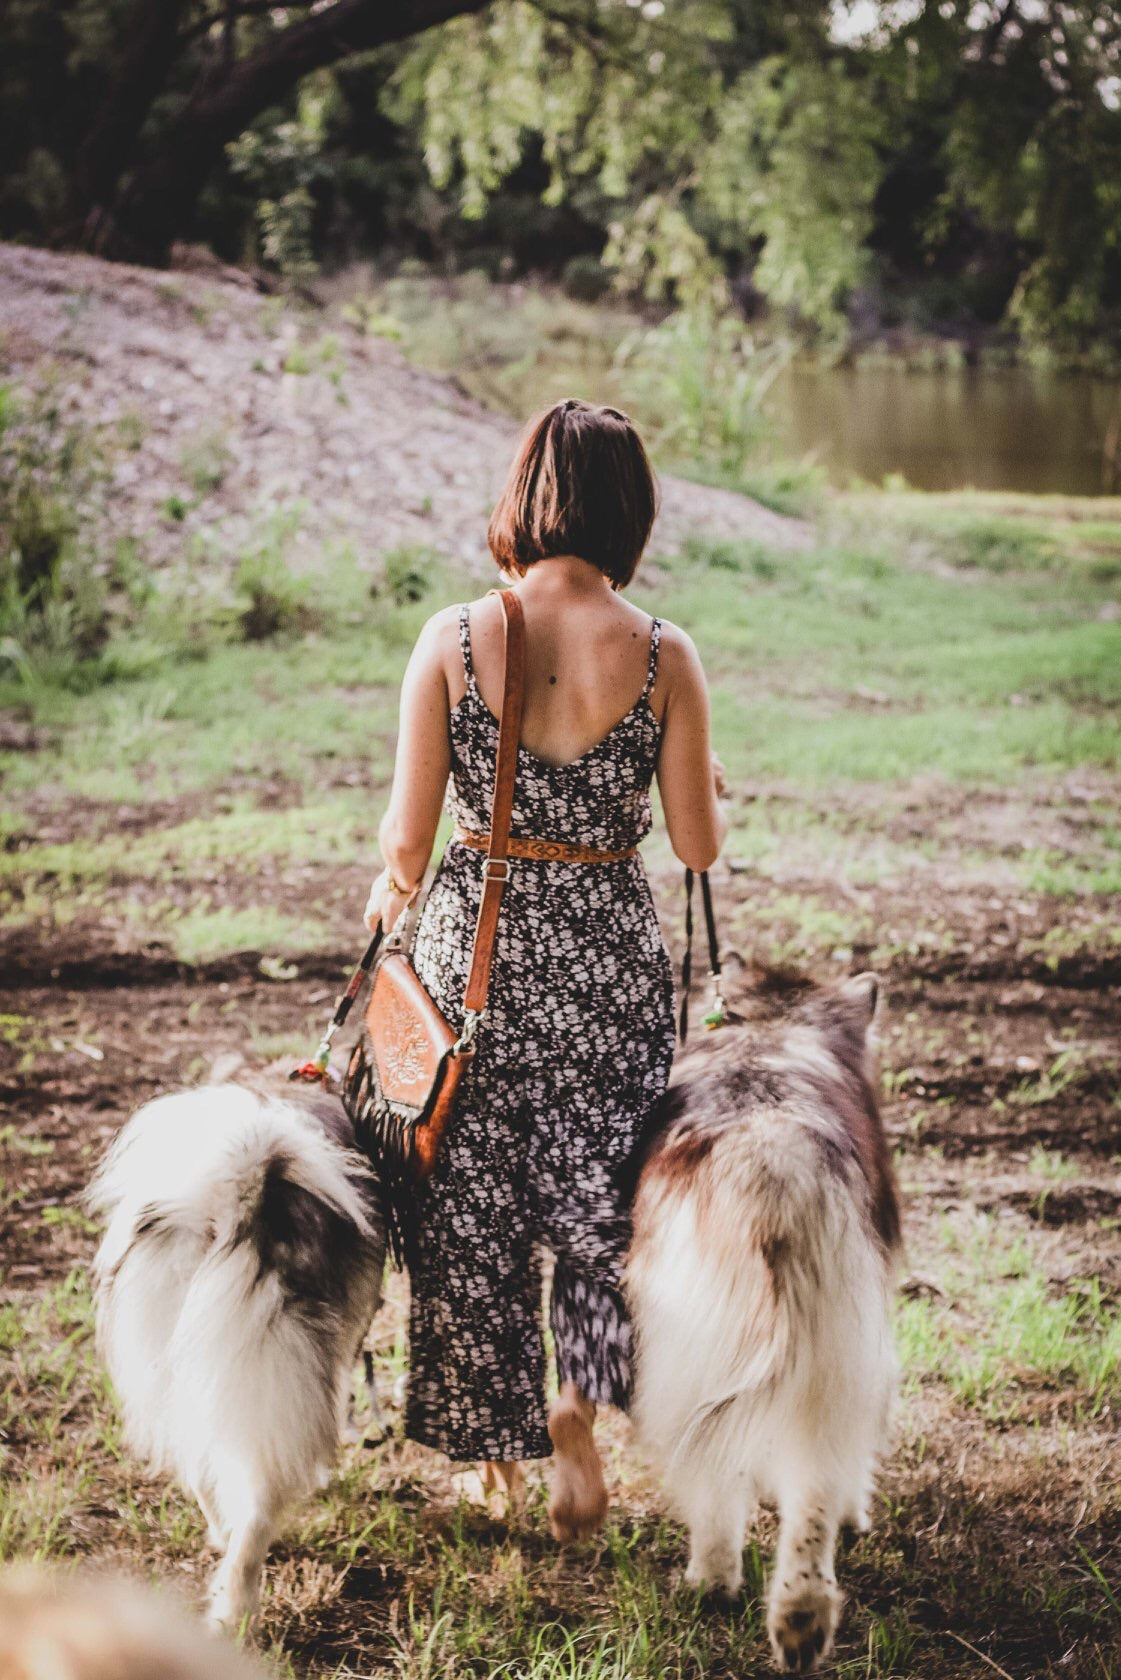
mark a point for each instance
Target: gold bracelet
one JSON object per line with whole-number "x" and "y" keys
{"x": 394, "y": 886}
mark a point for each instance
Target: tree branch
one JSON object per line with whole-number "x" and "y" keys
{"x": 237, "y": 11}
{"x": 226, "y": 102}
{"x": 160, "y": 196}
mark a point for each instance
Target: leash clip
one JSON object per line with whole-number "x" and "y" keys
{"x": 465, "y": 1043}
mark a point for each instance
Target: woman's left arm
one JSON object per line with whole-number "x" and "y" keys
{"x": 420, "y": 776}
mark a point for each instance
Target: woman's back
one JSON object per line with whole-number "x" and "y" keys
{"x": 587, "y": 660}
{"x": 589, "y": 789}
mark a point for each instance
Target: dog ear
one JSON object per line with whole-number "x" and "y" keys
{"x": 864, "y": 989}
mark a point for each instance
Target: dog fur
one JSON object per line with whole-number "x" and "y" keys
{"x": 98, "y": 1627}
{"x": 240, "y": 1268}
{"x": 760, "y": 1281}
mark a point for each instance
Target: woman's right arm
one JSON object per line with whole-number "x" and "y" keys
{"x": 687, "y": 771}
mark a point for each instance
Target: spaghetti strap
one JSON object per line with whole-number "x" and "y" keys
{"x": 465, "y": 645}
{"x": 652, "y": 668}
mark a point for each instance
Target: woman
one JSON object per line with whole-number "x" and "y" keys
{"x": 578, "y": 1035}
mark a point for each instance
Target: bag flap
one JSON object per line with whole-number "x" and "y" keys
{"x": 408, "y": 1035}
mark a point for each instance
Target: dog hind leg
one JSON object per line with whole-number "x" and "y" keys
{"x": 236, "y": 1587}
{"x": 715, "y": 1508}
{"x": 216, "y": 1531}
{"x": 804, "y": 1603}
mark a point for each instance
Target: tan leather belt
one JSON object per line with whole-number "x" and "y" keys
{"x": 545, "y": 851}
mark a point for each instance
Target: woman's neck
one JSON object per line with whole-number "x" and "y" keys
{"x": 563, "y": 574}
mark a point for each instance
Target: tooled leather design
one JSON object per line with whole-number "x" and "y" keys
{"x": 546, "y": 851}
{"x": 406, "y": 1052}
{"x": 407, "y": 1057}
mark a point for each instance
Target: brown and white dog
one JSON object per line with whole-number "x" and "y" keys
{"x": 760, "y": 1281}
{"x": 239, "y": 1270}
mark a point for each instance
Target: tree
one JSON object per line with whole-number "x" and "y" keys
{"x": 175, "y": 81}
{"x": 955, "y": 160}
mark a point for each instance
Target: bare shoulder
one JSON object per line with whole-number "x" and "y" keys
{"x": 442, "y": 627}
{"x": 679, "y": 663}
{"x": 438, "y": 642}
{"x": 435, "y": 659}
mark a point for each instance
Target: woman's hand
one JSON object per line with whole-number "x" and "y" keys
{"x": 719, "y": 777}
{"x": 386, "y": 902}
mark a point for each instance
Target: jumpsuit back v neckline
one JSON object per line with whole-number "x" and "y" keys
{"x": 573, "y": 1051}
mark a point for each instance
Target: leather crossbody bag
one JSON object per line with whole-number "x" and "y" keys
{"x": 401, "y": 1083}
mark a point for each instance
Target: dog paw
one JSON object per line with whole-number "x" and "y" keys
{"x": 859, "y": 1519}
{"x": 228, "y": 1611}
{"x": 715, "y": 1596}
{"x": 221, "y": 1614}
{"x": 801, "y": 1627}
{"x": 718, "y": 1583}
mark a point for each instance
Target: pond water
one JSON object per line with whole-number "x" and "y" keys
{"x": 984, "y": 428}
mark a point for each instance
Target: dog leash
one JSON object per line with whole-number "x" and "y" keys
{"x": 316, "y": 1072}
{"x": 717, "y": 1013}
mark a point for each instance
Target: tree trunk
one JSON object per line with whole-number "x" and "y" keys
{"x": 152, "y": 45}
{"x": 163, "y": 190}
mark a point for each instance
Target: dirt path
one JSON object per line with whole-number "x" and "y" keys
{"x": 973, "y": 1522}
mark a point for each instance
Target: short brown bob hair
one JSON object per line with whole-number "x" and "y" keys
{"x": 580, "y": 484}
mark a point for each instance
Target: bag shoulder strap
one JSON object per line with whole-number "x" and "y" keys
{"x": 497, "y": 866}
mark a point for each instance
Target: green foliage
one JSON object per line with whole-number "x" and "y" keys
{"x": 275, "y": 600}
{"x": 702, "y": 379}
{"x": 796, "y": 164}
{"x": 952, "y": 164}
{"x": 585, "y": 278}
{"x": 409, "y": 574}
{"x": 1032, "y": 150}
{"x": 283, "y": 162}
{"x": 947, "y": 143}
{"x": 53, "y": 616}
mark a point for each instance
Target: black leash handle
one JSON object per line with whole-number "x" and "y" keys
{"x": 315, "y": 1071}
{"x": 717, "y": 1014}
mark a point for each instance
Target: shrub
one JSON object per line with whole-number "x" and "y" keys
{"x": 585, "y": 279}
{"x": 53, "y": 593}
{"x": 704, "y": 379}
{"x": 409, "y": 574}
{"x": 273, "y": 600}
{"x": 998, "y": 545}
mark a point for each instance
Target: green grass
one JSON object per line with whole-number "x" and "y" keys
{"x": 210, "y": 930}
{"x": 396, "y": 1579}
{"x": 869, "y": 661}
{"x": 1001, "y": 1332}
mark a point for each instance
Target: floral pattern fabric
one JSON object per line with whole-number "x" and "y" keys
{"x": 574, "y": 1048}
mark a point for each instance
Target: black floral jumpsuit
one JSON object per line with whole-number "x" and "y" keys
{"x": 574, "y": 1048}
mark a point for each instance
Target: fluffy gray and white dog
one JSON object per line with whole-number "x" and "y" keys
{"x": 760, "y": 1280}
{"x": 239, "y": 1271}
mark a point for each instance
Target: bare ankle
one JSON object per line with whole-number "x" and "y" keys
{"x": 570, "y": 1399}
{"x": 506, "y": 1479}
{"x": 579, "y": 1496}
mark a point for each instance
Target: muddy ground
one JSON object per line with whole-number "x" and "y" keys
{"x": 1002, "y": 1050}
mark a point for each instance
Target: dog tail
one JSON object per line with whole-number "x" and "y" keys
{"x": 233, "y": 1227}
{"x": 755, "y": 1292}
